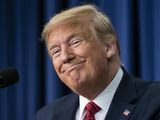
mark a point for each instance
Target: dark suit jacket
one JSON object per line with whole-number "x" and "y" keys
{"x": 134, "y": 99}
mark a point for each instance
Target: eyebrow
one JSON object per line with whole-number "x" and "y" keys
{"x": 68, "y": 39}
{"x": 71, "y": 37}
{"x": 53, "y": 46}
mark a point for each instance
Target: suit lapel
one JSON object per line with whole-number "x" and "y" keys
{"x": 69, "y": 111}
{"x": 120, "y": 112}
{"x": 122, "y": 105}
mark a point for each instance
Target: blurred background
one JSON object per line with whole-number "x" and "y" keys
{"x": 137, "y": 23}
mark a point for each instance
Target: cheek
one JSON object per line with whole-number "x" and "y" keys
{"x": 56, "y": 65}
{"x": 97, "y": 61}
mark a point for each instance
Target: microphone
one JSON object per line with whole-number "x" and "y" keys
{"x": 8, "y": 77}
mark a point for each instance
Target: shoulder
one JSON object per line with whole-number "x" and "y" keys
{"x": 54, "y": 107}
{"x": 149, "y": 101}
{"x": 147, "y": 97}
{"x": 145, "y": 91}
{"x": 142, "y": 87}
{"x": 152, "y": 91}
{"x": 147, "y": 88}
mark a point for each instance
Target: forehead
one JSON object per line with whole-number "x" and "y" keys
{"x": 74, "y": 24}
{"x": 62, "y": 29}
{"x": 66, "y": 29}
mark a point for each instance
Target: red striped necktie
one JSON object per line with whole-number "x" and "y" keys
{"x": 91, "y": 110}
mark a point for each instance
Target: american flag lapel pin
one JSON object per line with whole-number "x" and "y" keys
{"x": 126, "y": 112}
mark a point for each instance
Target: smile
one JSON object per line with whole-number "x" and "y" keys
{"x": 72, "y": 67}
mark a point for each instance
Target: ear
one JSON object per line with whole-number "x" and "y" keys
{"x": 110, "y": 48}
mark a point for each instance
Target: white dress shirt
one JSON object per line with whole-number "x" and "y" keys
{"x": 103, "y": 100}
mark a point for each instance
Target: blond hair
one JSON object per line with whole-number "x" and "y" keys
{"x": 100, "y": 22}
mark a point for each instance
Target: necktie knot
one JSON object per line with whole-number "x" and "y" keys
{"x": 91, "y": 110}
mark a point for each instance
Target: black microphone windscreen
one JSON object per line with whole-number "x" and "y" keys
{"x": 8, "y": 77}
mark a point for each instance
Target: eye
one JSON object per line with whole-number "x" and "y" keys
{"x": 75, "y": 42}
{"x": 55, "y": 51}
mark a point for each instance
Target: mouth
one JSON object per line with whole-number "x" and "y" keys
{"x": 71, "y": 67}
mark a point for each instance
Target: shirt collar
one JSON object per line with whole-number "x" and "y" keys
{"x": 104, "y": 99}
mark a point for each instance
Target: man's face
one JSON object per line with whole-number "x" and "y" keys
{"x": 78, "y": 58}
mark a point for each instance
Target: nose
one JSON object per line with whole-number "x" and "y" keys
{"x": 67, "y": 55}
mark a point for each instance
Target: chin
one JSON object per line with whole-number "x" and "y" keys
{"x": 78, "y": 87}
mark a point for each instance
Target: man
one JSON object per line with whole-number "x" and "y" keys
{"x": 84, "y": 50}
